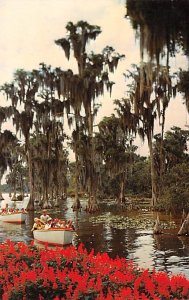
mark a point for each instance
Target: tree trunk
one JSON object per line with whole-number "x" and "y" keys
{"x": 46, "y": 203}
{"x": 14, "y": 196}
{"x": 22, "y": 187}
{"x": 184, "y": 229}
{"x": 157, "y": 228}
{"x": 122, "y": 189}
{"x": 153, "y": 176}
{"x": 76, "y": 205}
{"x": 92, "y": 205}
{"x": 160, "y": 185}
{"x": 31, "y": 181}
{"x": 1, "y": 195}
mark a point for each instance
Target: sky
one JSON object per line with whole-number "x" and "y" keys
{"x": 30, "y": 27}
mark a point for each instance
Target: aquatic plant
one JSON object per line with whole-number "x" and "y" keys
{"x": 27, "y": 272}
{"x": 141, "y": 222}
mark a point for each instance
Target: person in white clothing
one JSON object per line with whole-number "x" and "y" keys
{"x": 48, "y": 224}
{"x": 44, "y": 217}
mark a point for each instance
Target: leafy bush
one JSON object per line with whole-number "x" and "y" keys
{"x": 175, "y": 196}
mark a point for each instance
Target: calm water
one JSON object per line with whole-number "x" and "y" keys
{"x": 124, "y": 234}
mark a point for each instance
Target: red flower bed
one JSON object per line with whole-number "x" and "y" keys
{"x": 68, "y": 273}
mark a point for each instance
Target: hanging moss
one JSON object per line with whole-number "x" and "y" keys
{"x": 65, "y": 44}
{"x": 160, "y": 25}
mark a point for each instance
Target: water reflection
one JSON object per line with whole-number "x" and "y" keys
{"x": 170, "y": 254}
{"x": 15, "y": 232}
{"x": 113, "y": 232}
{"x": 185, "y": 245}
{"x": 143, "y": 251}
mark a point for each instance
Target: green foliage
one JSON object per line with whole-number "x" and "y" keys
{"x": 139, "y": 182}
{"x": 171, "y": 166}
{"x": 175, "y": 195}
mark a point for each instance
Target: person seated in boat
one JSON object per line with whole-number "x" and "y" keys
{"x": 10, "y": 211}
{"x": 48, "y": 224}
{"x": 44, "y": 217}
{"x": 23, "y": 210}
{"x": 58, "y": 222}
{"x": 55, "y": 223}
{"x": 70, "y": 224}
{"x": 38, "y": 224}
{"x": 6, "y": 208}
{"x": 3, "y": 211}
{"x": 62, "y": 224}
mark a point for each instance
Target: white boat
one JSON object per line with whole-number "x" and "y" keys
{"x": 54, "y": 236}
{"x": 15, "y": 217}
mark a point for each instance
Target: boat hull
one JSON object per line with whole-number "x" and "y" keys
{"x": 16, "y": 218}
{"x": 57, "y": 237}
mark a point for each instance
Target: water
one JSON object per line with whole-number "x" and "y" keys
{"x": 126, "y": 234}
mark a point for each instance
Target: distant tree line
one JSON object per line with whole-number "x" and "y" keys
{"x": 45, "y": 100}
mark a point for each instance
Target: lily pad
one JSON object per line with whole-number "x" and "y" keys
{"x": 124, "y": 222}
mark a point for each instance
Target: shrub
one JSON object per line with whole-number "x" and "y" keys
{"x": 68, "y": 273}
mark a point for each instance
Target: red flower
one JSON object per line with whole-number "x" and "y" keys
{"x": 180, "y": 284}
{"x": 125, "y": 293}
{"x": 81, "y": 274}
{"x": 163, "y": 283}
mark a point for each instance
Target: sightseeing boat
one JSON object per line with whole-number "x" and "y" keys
{"x": 14, "y": 217}
{"x": 54, "y": 236}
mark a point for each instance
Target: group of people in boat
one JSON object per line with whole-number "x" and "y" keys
{"x": 46, "y": 222}
{"x": 8, "y": 211}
